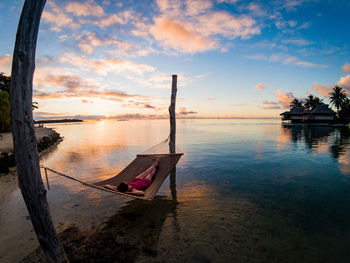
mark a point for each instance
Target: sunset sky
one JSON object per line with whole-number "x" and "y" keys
{"x": 233, "y": 58}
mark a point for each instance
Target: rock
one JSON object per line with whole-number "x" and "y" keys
{"x": 3, "y": 167}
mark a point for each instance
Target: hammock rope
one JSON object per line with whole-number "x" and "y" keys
{"x": 167, "y": 163}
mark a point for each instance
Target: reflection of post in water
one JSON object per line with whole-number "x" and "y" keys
{"x": 173, "y": 134}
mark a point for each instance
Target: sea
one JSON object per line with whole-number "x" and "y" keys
{"x": 245, "y": 190}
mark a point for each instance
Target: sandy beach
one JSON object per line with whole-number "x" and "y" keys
{"x": 10, "y": 222}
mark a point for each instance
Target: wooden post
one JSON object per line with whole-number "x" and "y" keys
{"x": 24, "y": 140}
{"x": 172, "y": 115}
{"x": 173, "y": 134}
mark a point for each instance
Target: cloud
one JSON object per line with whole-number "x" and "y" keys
{"x": 223, "y": 23}
{"x": 195, "y": 7}
{"x": 87, "y": 42}
{"x": 56, "y": 17}
{"x": 227, "y": 1}
{"x": 141, "y": 105}
{"x": 173, "y": 34}
{"x": 183, "y": 111}
{"x": 270, "y": 102}
{"x": 212, "y": 99}
{"x": 5, "y": 64}
{"x": 193, "y": 26}
{"x": 84, "y": 9}
{"x": 69, "y": 86}
{"x": 285, "y": 59}
{"x": 344, "y": 82}
{"x": 122, "y": 18}
{"x": 322, "y": 90}
{"x": 297, "y": 42}
{"x": 68, "y": 82}
{"x": 105, "y": 66}
{"x": 260, "y": 86}
{"x": 274, "y": 107}
{"x": 346, "y": 68}
{"x": 284, "y": 98}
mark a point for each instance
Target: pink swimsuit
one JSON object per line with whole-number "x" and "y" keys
{"x": 139, "y": 184}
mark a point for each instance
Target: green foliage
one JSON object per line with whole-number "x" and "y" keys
{"x": 344, "y": 113}
{"x": 297, "y": 103}
{"x": 338, "y": 97}
{"x": 311, "y": 102}
{"x": 5, "y": 83}
{"x": 5, "y": 121}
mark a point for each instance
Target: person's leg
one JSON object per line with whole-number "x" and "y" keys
{"x": 149, "y": 170}
{"x": 151, "y": 174}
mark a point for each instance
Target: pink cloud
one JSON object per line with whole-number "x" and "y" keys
{"x": 212, "y": 99}
{"x": 284, "y": 98}
{"x": 274, "y": 107}
{"x": 223, "y": 23}
{"x": 57, "y": 18}
{"x": 88, "y": 41}
{"x": 344, "y": 82}
{"x": 5, "y": 64}
{"x": 193, "y": 26}
{"x": 322, "y": 90}
{"x": 84, "y": 9}
{"x": 270, "y": 102}
{"x": 346, "y": 68}
{"x": 260, "y": 86}
{"x": 184, "y": 111}
{"x": 104, "y": 66}
{"x": 173, "y": 34}
{"x": 195, "y": 7}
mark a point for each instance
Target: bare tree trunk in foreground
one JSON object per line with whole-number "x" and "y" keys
{"x": 24, "y": 140}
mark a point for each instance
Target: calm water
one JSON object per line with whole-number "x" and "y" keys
{"x": 246, "y": 190}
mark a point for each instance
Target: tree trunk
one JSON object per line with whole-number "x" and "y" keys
{"x": 24, "y": 140}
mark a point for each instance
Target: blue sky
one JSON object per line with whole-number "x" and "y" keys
{"x": 233, "y": 58}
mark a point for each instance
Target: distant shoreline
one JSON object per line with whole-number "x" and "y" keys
{"x": 58, "y": 121}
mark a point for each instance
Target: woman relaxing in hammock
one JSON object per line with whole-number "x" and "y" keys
{"x": 138, "y": 184}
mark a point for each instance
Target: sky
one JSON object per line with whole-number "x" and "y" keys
{"x": 234, "y": 58}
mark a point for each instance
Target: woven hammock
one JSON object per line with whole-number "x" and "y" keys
{"x": 167, "y": 162}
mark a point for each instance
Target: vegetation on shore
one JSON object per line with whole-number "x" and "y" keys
{"x": 58, "y": 121}
{"x": 338, "y": 99}
{"x": 5, "y": 121}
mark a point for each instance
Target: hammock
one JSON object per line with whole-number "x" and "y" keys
{"x": 167, "y": 162}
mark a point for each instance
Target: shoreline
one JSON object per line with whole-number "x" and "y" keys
{"x": 46, "y": 138}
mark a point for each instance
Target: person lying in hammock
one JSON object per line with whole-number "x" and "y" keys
{"x": 138, "y": 184}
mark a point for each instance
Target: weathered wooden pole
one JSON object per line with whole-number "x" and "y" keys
{"x": 24, "y": 140}
{"x": 172, "y": 115}
{"x": 172, "y": 136}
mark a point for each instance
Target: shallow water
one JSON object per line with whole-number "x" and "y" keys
{"x": 246, "y": 190}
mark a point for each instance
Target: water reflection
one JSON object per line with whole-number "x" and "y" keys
{"x": 132, "y": 233}
{"x": 319, "y": 139}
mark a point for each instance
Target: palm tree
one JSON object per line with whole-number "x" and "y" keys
{"x": 345, "y": 109}
{"x": 338, "y": 97}
{"x": 311, "y": 102}
{"x": 296, "y": 103}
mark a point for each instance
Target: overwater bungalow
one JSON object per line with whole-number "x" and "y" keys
{"x": 320, "y": 114}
